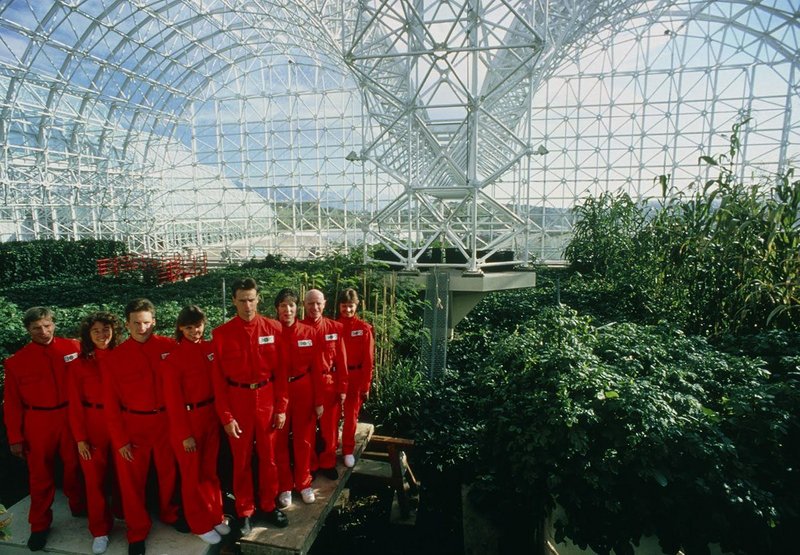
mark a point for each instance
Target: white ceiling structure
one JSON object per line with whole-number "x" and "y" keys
{"x": 246, "y": 127}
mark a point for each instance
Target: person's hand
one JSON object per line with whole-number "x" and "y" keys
{"x": 232, "y": 429}
{"x": 342, "y": 396}
{"x": 280, "y": 420}
{"x": 85, "y": 450}
{"x": 189, "y": 445}
{"x": 126, "y": 451}
{"x": 364, "y": 395}
{"x": 18, "y": 450}
{"x": 319, "y": 410}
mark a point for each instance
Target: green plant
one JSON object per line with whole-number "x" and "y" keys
{"x": 397, "y": 394}
{"x": 636, "y": 430}
{"x": 46, "y": 259}
{"x": 722, "y": 257}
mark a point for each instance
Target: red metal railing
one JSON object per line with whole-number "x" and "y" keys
{"x": 167, "y": 269}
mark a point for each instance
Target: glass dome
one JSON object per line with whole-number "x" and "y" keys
{"x": 240, "y": 128}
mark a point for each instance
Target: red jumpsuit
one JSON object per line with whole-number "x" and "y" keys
{"x": 359, "y": 342}
{"x": 35, "y": 409}
{"x": 305, "y": 392}
{"x": 88, "y": 422}
{"x": 249, "y": 384}
{"x": 334, "y": 383}
{"x": 189, "y": 394}
{"x": 136, "y": 413}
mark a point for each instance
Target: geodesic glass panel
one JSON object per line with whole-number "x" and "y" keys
{"x": 241, "y": 128}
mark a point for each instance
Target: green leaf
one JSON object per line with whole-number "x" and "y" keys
{"x": 660, "y": 478}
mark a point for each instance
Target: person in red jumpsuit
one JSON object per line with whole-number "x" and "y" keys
{"x": 250, "y": 390}
{"x": 194, "y": 427}
{"x": 334, "y": 378}
{"x": 305, "y": 402}
{"x": 137, "y": 422}
{"x": 100, "y": 333}
{"x": 35, "y": 410}
{"x": 359, "y": 342}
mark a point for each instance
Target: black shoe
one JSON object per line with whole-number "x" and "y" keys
{"x": 38, "y": 540}
{"x": 181, "y": 526}
{"x": 136, "y": 548}
{"x": 245, "y": 526}
{"x": 80, "y": 513}
{"x": 329, "y": 473}
{"x": 277, "y": 517}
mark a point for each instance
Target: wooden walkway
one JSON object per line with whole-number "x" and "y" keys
{"x": 305, "y": 521}
{"x": 70, "y": 536}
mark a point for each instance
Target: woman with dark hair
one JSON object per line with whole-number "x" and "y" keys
{"x": 305, "y": 402}
{"x": 100, "y": 333}
{"x": 194, "y": 426}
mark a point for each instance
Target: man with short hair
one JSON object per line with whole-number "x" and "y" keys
{"x": 35, "y": 409}
{"x": 334, "y": 378}
{"x": 250, "y": 389}
{"x": 137, "y": 422}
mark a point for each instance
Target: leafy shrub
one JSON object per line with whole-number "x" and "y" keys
{"x": 22, "y": 261}
{"x": 636, "y": 430}
{"x": 723, "y": 257}
{"x": 12, "y": 333}
{"x": 397, "y": 394}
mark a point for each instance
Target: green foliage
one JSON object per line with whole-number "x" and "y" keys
{"x": 397, "y": 394}
{"x": 778, "y": 348}
{"x": 630, "y": 429}
{"x": 636, "y": 430}
{"x": 12, "y": 333}
{"x": 605, "y": 232}
{"x": 22, "y": 261}
{"x": 388, "y": 305}
{"x": 722, "y": 258}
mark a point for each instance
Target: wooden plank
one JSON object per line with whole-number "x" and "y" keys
{"x": 383, "y": 442}
{"x": 305, "y": 521}
{"x": 393, "y": 451}
{"x": 374, "y": 469}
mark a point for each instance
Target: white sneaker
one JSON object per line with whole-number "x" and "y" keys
{"x": 210, "y": 537}
{"x": 222, "y": 528}
{"x": 308, "y": 495}
{"x": 349, "y": 461}
{"x": 99, "y": 545}
{"x": 284, "y": 499}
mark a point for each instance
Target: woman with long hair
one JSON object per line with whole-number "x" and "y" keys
{"x": 99, "y": 334}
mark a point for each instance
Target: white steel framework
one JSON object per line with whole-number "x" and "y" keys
{"x": 247, "y": 127}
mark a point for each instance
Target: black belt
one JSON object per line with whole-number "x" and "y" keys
{"x": 58, "y": 406}
{"x": 354, "y": 367}
{"x": 134, "y": 411}
{"x": 249, "y": 385}
{"x": 298, "y": 376}
{"x": 192, "y": 406}
{"x": 89, "y": 405}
